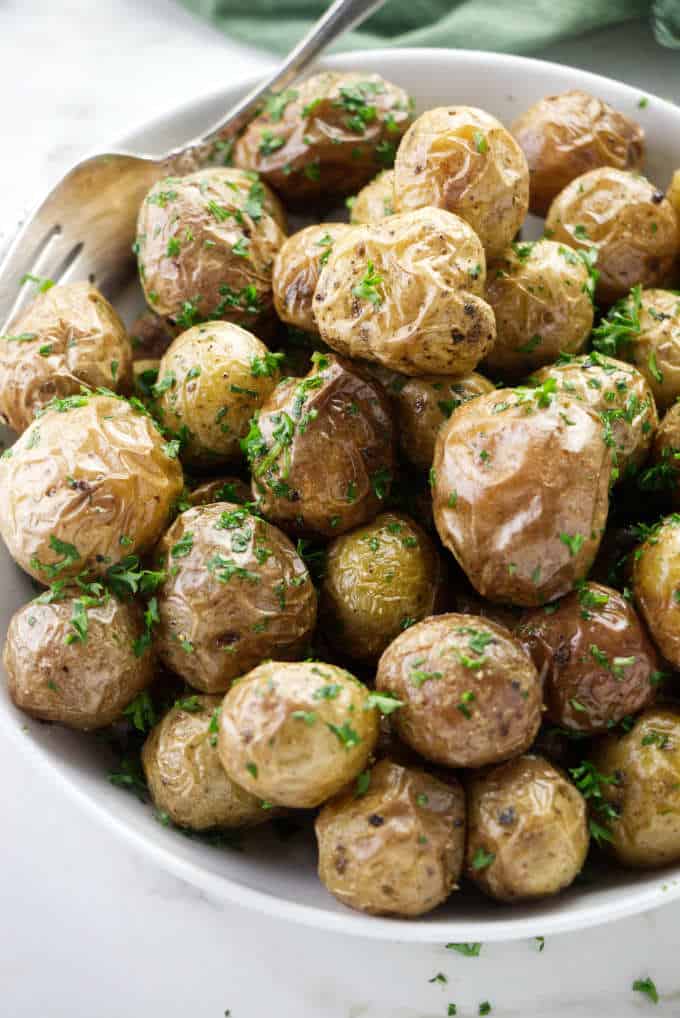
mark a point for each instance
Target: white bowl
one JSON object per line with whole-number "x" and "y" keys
{"x": 280, "y": 877}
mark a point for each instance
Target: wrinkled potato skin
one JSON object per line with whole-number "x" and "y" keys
{"x": 295, "y": 761}
{"x": 500, "y": 694}
{"x": 296, "y": 272}
{"x": 607, "y": 384}
{"x": 540, "y": 477}
{"x": 375, "y": 201}
{"x": 322, "y": 158}
{"x": 82, "y": 685}
{"x": 659, "y": 338}
{"x": 534, "y": 821}
{"x": 397, "y": 850}
{"x": 647, "y": 790}
{"x": 656, "y": 578}
{"x": 561, "y": 643}
{"x": 186, "y": 778}
{"x": 87, "y": 344}
{"x": 565, "y": 135}
{"x": 88, "y": 477}
{"x": 430, "y": 316}
{"x": 222, "y": 489}
{"x": 210, "y": 271}
{"x": 216, "y": 415}
{"x": 235, "y": 624}
{"x": 333, "y": 459}
{"x": 618, "y": 211}
{"x": 541, "y": 294}
{"x": 376, "y": 577}
{"x": 439, "y": 163}
{"x": 666, "y": 445}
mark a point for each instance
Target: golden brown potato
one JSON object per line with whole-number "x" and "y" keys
{"x": 673, "y": 193}
{"x": 595, "y": 660}
{"x": 184, "y": 774}
{"x": 296, "y": 272}
{"x": 77, "y": 658}
{"x": 222, "y": 489}
{"x": 375, "y": 201}
{"x": 322, "y": 451}
{"x": 295, "y": 734}
{"x": 656, "y": 581}
{"x": 626, "y": 219}
{"x": 664, "y": 474}
{"x": 206, "y": 245}
{"x": 521, "y": 492}
{"x": 462, "y": 159}
{"x": 642, "y": 784}
{"x": 327, "y": 137}
{"x": 211, "y": 381}
{"x": 236, "y": 592}
{"x": 565, "y": 135}
{"x": 540, "y": 295}
{"x": 88, "y": 484}
{"x": 396, "y": 847}
{"x": 471, "y": 695}
{"x": 407, "y": 293}
{"x": 70, "y": 336}
{"x": 527, "y": 830}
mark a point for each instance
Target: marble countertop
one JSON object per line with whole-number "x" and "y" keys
{"x": 92, "y": 929}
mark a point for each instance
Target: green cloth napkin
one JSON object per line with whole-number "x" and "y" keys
{"x": 512, "y": 26}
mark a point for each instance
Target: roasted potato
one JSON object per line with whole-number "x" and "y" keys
{"x": 521, "y": 492}
{"x": 296, "y": 733}
{"x": 296, "y": 272}
{"x": 628, "y": 221}
{"x": 462, "y": 159}
{"x": 656, "y": 581}
{"x": 87, "y": 484}
{"x": 673, "y": 192}
{"x": 407, "y": 293}
{"x": 375, "y": 201}
{"x": 470, "y": 693}
{"x": 396, "y": 846}
{"x": 236, "y": 592}
{"x": 664, "y": 474}
{"x": 565, "y": 135}
{"x": 222, "y": 489}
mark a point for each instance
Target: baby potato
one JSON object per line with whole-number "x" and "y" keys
{"x": 296, "y": 733}
{"x": 222, "y": 489}
{"x": 87, "y": 484}
{"x": 395, "y": 848}
{"x": 462, "y": 159}
{"x": 565, "y": 135}
{"x": 521, "y": 492}
{"x": 665, "y": 471}
{"x": 70, "y": 336}
{"x": 378, "y": 579}
{"x": 375, "y": 201}
{"x": 77, "y": 657}
{"x": 673, "y": 192}
{"x": 211, "y": 381}
{"x": 206, "y": 245}
{"x": 296, "y": 272}
{"x": 407, "y": 293}
{"x": 322, "y": 450}
{"x": 540, "y": 295}
{"x": 642, "y": 783}
{"x": 236, "y": 592}
{"x": 595, "y": 661}
{"x": 470, "y": 693}
{"x": 185, "y": 776}
{"x": 326, "y": 137}
{"x": 527, "y": 830}
{"x": 628, "y": 221}
{"x": 656, "y": 581}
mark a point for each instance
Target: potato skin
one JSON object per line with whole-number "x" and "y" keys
{"x": 319, "y": 148}
{"x": 296, "y": 272}
{"x": 471, "y": 694}
{"x": 83, "y": 685}
{"x": 88, "y": 476}
{"x": 296, "y": 733}
{"x": 396, "y": 850}
{"x": 627, "y": 219}
{"x": 185, "y": 776}
{"x": 565, "y": 135}
{"x": 236, "y": 593}
{"x": 665, "y": 448}
{"x": 533, "y": 821}
{"x": 654, "y": 348}
{"x": 656, "y": 578}
{"x": 538, "y": 292}
{"x": 83, "y": 340}
{"x": 426, "y": 313}
{"x": 462, "y": 159}
{"x": 375, "y": 201}
{"x": 513, "y": 471}
{"x": 594, "y": 658}
{"x": 222, "y": 489}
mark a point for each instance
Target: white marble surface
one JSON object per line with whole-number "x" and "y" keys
{"x": 91, "y": 929}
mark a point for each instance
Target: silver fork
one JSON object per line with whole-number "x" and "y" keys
{"x": 86, "y": 225}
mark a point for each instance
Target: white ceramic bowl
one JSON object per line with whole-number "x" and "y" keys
{"x": 279, "y": 877}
